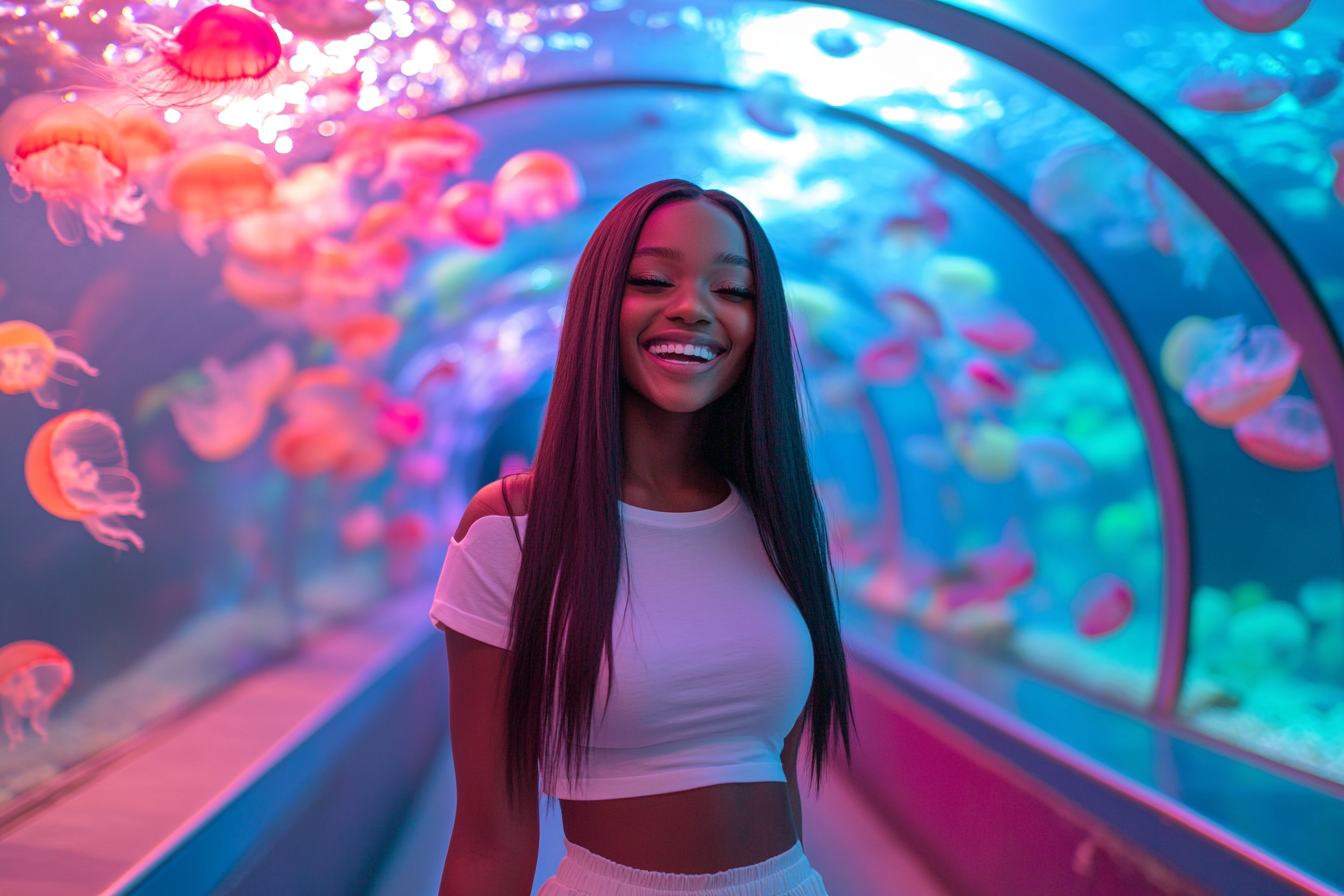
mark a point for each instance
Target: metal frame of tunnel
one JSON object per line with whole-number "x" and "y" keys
{"x": 1099, "y": 305}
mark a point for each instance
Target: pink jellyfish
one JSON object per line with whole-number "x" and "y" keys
{"x": 889, "y": 362}
{"x": 331, "y": 427}
{"x": 361, "y": 528}
{"x": 76, "y": 470}
{"x": 535, "y": 186}
{"x": 28, "y": 359}
{"x": 1212, "y": 90}
{"x": 1258, "y": 16}
{"x": 467, "y": 212}
{"x": 418, "y": 161}
{"x": 72, "y": 156}
{"x": 996, "y": 328}
{"x": 215, "y": 184}
{"x": 1243, "y": 379}
{"x": 401, "y": 421}
{"x": 220, "y": 419}
{"x": 1103, "y": 606}
{"x": 910, "y": 313}
{"x": 1052, "y": 466}
{"x": 219, "y": 51}
{"x": 322, "y": 19}
{"x": 988, "y": 574}
{"x": 1288, "y": 434}
{"x": 33, "y": 676}
{"x": 991, "y": 379}
{"x": 363, "y": 337}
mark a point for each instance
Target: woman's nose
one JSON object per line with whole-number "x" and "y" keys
{"x": 690, "y": 305}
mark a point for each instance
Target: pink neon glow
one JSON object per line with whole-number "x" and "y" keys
{"x": 1103, "y": 606}
{"x": 992, "y": 379}
{"x": 1288, "y": 434}
{"x": 220, "y": 51}
{"x": 997, "y": 328}
{"x": 1258, "y": 16}
{"x": 889, "y": 362}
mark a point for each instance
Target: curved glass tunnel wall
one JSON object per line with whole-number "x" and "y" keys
{"x": 981, "y": 274}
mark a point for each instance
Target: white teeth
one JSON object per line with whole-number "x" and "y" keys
{"x": 663, "y": 349}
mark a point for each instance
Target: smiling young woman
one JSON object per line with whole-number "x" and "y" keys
{"x": 644, "y": 626}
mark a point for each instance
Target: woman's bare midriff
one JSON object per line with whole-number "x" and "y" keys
{"x": 701, "y": 831}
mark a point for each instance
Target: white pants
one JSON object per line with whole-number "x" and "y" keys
{"x": 582, "y": 873}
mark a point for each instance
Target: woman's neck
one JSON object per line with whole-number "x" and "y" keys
{"x": 664, "y": 465}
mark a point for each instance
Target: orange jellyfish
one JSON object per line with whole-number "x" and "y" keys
{"x": 467, "y": 212}
{"x": 77, "y": 470}
{"x": 216, "y": 184}
{"x": 537, "y": 185}
{"x": 366, "y": 336}
{"x": 222, "y": 418}
{"x": 331, "y": 427}
{"x": 1243, "y": 377}
{"x": 219, "y": 51}
{"x": 148, "y": 147}
{"x": 33, "y": 676}
{"x": 1288, "y": 434}
{"x": 418, "y": 159}
{"x": 28, "y": 358}
{"x": 72, "y": 156}
{"x": 322, "y": 19}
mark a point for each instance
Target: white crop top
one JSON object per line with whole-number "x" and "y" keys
{"x": 712, "y": 660}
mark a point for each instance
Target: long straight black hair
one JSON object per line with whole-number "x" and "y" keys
{"x": 565, "y": 600}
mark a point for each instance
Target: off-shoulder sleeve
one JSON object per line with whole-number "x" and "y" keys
{"x": 475, "y": 591}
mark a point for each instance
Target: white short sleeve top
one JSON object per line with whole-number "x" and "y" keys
{"x": 712, "y": 660}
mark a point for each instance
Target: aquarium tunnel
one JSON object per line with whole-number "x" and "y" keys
{"x": 281, "y": 284}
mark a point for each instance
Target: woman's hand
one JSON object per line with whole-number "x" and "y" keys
{"x": 493, "y": 850}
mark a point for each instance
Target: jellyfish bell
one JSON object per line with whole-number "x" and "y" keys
{"x": 363, "y": 337}
{"x": 1053, "y": 468}
{"x": 1258, "y": 16}
{"x": 401, "y": 422}
{"x": 1103, "y": 606}
{"x": 19, "y": 116}
{"x": 1289, "y": 434}
{"x": 536, "y": 185}
{"x": 467, "y": 212}
{"x": 889, "y": 362}
{"x": 212, "y": 185}
{"x": 910, "y": 313}
{"x": 28, "y": 359}
{"x": 223, "y": 417}
{"x": 1243, "y": 379}
{"x": 71, "y": 155}
{"x": 219, "y": 51}
{"x": 1212, "y": 90}
{"x": 76, "y": 469}
{"x": 361, "y": 528}
{"x": 33, "y": 676}
{"x": 996, "y": 328}
{"x": 1182, "y": 349}
{"x": 419, "y": 155}
{"x": 991, "y": 379}
{"x": 321, "y": 19}
{"x": 987, "y": 450}
{"x": 148, "y": 146}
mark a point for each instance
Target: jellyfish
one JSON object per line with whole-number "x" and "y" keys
{"x": 260, "y": 286}
{"x": 366, "y": 336}
{"x": 421, "y": 468}
{"x": 1182, "y": 349}
{"x": 959, "y": 281}
{"x": 928, "y": 227}
{"x": 996, "y": 328}
{"x": 1337, "y": 153}
{"x": 400, "y": 422}
{"x": 988, "y": 574}
{"x": 319, "y": 195}
{"x": 361, "y": 528}
{"x": 1103, "y": 606}
{"x": 321, "y": 19}
{"x": 1212, "y": 90}
{"x": 223, "y": 417}
{"x": 1090, "y": 188}
{"x": 1288, "y": 434}
{"x": 220, "y": 51}
{"x": 28, "y": 359}
{"x": 467, "y": 212}
{"x": 331, "y": 427}
{"x": 770, "y": 105}
{"x": 910, "y": 313}
{"x": 408, "y": 532}
{"x": 1258, "y": 16}
{"x": 990, "y": 378}
{"x": 148, "y": 147}
{"x": 1052, "y": 466}
{"x": 889, "y": 362}
{"x": 536, "y": 186}
{"x": 215, "y": 184}
{"x": 19, "y": 116}
{"x": 1244, "y": 378}
{"x": 838, "y": 43}
{"x": 72, "y": 156}
{"x": 33, "y": 676}
{"x": 76, "y": 469}
{"x": 987, "y": 451}
{"x": 417, "y": 160}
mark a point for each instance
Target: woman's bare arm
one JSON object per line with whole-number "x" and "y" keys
{"x": 789, "y": 757}
{"x": 493, "y": 850}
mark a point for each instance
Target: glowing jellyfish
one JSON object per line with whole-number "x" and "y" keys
{"x": 361, "y": 528}
{"x": 1103, "y": 606}
{"x": 421, "y": 468}
{"x": 258, "y": 286}
{"x": 215, "y": 184}
{"x": 418, "y": 159}
{"x": 535, "y": 186}
{"x": 911, "y": 314}
{"x": 219, "y": 51}
{"x": 1288, "y": 434}
{"x": 28, "y": 359}
{"x": 1081, "y": 189}
{"x": 1258, "y": 16}
{"x": 408, "y": 532}
{"x": 959, "y": 281}
{"x": 148, "y": 147}
{"x": 33, "y": 676}
{"x": 927, "y": 228}
{"x": 987, "y": 451}
{"x": 1243, "y": 379}
{"x": 319, "y": 194}
{"x": 223, "y": 417}
{"x": 322, "y": 19}
{"x": 1052, "y": 466}
{"x": 71, "y": 156}
{"x": 401, "y": 422}
{"x": 77, "y": 470}
{"x": 331, "y": 427}
{"x": 366, "y": 336}
{"x": 889, "y": 362}
{"x": 1213, "y": 90}
{"x": 991, "y": 379}
{"x": 996, "y": 328}
{"x": 988, "y": 574}
{"x": 467, "y": 212}
{"x": 1183, "y": 348}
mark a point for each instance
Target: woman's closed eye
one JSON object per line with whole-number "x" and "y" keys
{"x": 648, "y": 281}
{"x": 737, "y": 293}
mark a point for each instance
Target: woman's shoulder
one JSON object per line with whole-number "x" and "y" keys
{"x": 497, "y": 499}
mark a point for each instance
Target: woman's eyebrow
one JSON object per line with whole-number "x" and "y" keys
{"x": 671, "y": 254}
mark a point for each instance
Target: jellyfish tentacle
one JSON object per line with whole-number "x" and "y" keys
{"x": 20, "y": 191}
{"x": 69, "y": 357}
{"x": 66, "y": 223}
{"x": 48, "y": 395}
{"x": 109, "y": 529}
{"x": 13, "y": 722}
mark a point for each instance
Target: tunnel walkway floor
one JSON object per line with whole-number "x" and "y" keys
{"x": 847, "y": 842}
